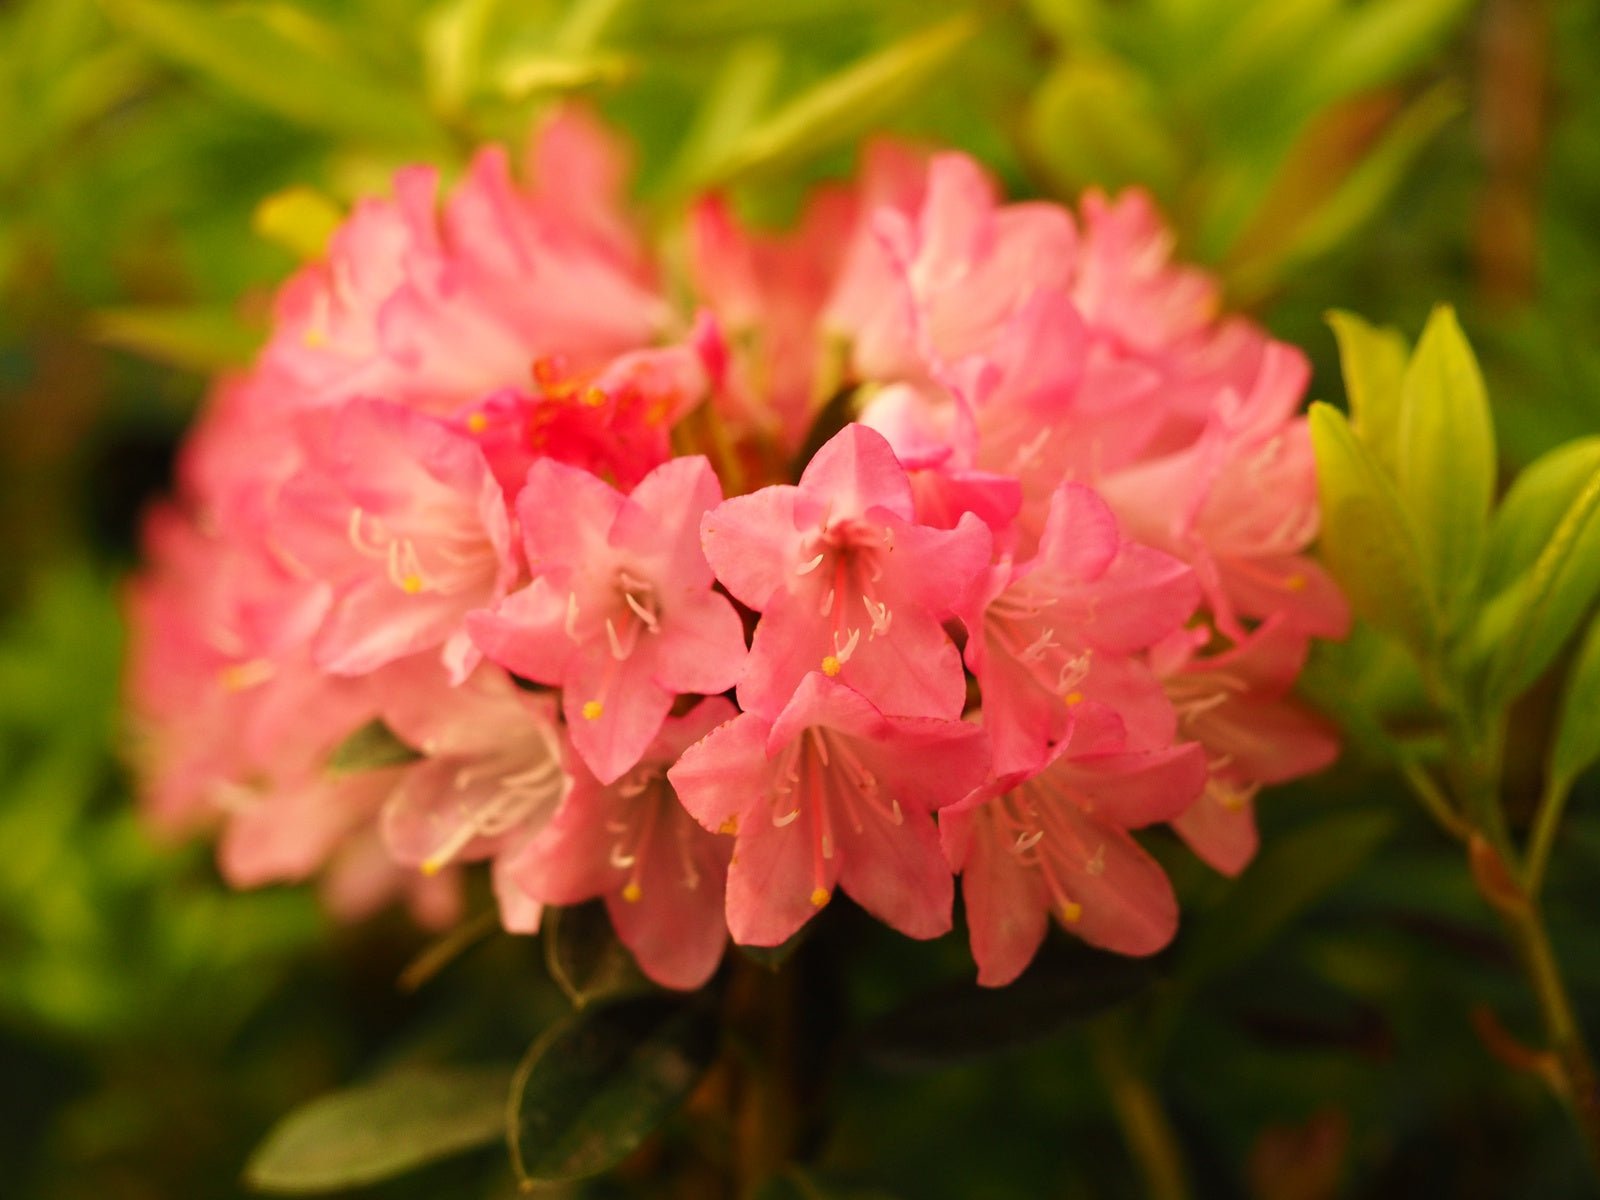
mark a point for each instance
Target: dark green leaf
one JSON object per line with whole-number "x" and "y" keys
{"x": 963, "y": 1022}
{"x": 595, "y": 1086}
{"x": 583, "y": 954}
{"x": 370, "y": 748}
{"x": 1291, "y": 874}
{"x": 380, "y": 1129}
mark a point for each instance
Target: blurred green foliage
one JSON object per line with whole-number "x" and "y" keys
{"x": 164, "y": 163}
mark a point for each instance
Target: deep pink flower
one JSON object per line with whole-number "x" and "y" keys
{"x": 633, "y": 843}
{"x": 1062, "y": 628}
{"x": 847, "y": 582}
{"x": 621, "y": 614}
{"x": 401, "y": 515}
{"x": 831, "y": 792}
{"x": 1056, "y": 843}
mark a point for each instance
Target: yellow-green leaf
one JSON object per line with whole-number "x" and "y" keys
{"x": 1576, "y": 746}
{"x": 204, "y": 339}
{"x": 300, "y": 219}
{"x": 1533, "y": 507}
{"x": 1096, "y": 121}
{"x": 1446, "y": 463}
{"x": 1368, "y": 540}
{"x": 1373, "y": 360}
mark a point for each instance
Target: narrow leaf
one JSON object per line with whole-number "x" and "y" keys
{"x": 1533, "y": 506}
{"x": 1553, "y": 598}
{"x": 1576, "y": 747}
{"x": 381, "y": 1129}
{"x": 204, "y": 339}
{"x": 1446, "y": 466}
{"x": 370, "y": 748}
{"x": 251, "y": 57}
{"x": 596, "y": 1085}
{"x": 1373, "y": 361}
{"x": 1368, "y": 540}
{"x": 857, "y": 98}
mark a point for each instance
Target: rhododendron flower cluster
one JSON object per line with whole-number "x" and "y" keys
{"x": 939, "y": 538}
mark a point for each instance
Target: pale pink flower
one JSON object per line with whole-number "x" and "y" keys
{"x": 831, "y": 792}
{"x": 1236, "y": 703}
{"x": 631, "y": 842}
{"x": 1055, "y": 842}
{"x": 847, "y": 582}
{"x": 620, "y": 614}
{"x": 489, "y": 780}
{"x": 401, "y": 515}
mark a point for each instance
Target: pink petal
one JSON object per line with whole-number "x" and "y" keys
{"x": 897, "y": 872}
{"x": 724, "y": 773}
{"x": 752, "y": 544}
{"x": 566, "y": 514}
{"x": 526, "y": 633}
{"x": 856, "y": 471}
{"x": 614, "y": 710}
{"x": 1126, "y": 899}
{"x": 1005, "y": 902}
{"x": 1223, "y": 835}
{"x": 771, "y": 880}
{"x": 662, "y": 519}
{"x": 701, "y": 645}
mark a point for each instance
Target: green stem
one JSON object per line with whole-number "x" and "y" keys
{"x": 1575, "y": 1067}
{"x": 1433, "y": 798}
{"x": 1151, "y": 1140}
{"x": 1545, "y": 824}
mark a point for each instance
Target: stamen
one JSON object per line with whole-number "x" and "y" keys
{"x": 592, "y": 709}
{"x": 806, "y": 568}
{"x": 572, "y": 614}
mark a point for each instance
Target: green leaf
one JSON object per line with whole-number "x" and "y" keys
{"x": 204, "y": 339}
{"x": 794, "y": 1183}
{"x": 1446, "y": 466}
{"x": 525, "y": 75}
{"x": 1368, "y": 541}
{"x": 251, "y": 56}
{"x": 584, "y": 955}
{"x": 857, "y": 98}
{"x": 1576, "y": 746}
{"x": 370, "y": 748}
{"x": 732, "y": 102}
{"x": 963, "y": 1022}
{"x": 380, "y": 1129}
{"x": 1533, "y": 507}
{"x": 1373, "y": 361}
{"x": 1376, "y": 44}
{"x": 597, "y": 1084}
{"x": 1291, "y": 874}
{"x": 1551, "y": 599}
{"x": 1097, "y": 122}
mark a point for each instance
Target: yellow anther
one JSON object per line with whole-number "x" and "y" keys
{"x": 314, "y": 338}
{"x": 241, "y": 676}
{"x": 1073, "y": 698}
{"x": 432, "y": 867}
{"x": 819, "y": 897}
{"x": 1071, "y": 912}
{"x": 592, "y": 710}
{"x": 831, "y": 666}
{"x": 1295, "y": 583}
{"x": 731, "y": 825}
{"x": 477, "y": 423}
{"x": 1231, "y": 799}
{"x": 594, "y": 397}
{"x": 632, "y": 892}
{"x": 411, "y": 584}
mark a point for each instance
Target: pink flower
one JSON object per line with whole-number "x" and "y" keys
{"x": 1237, "y": 704}
{"x": 1056, "y": 842}
{"x": 831, "y": 792}
{"x": 490, "y": 778}
{"x": 401, "y": 515}
{"x": 435, "y": 311}
{"x": 661, "y": 874}
{"x": 1060, "y": 629}
{"x": 847, "y": 582}
{"x": 620, "y": 614}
